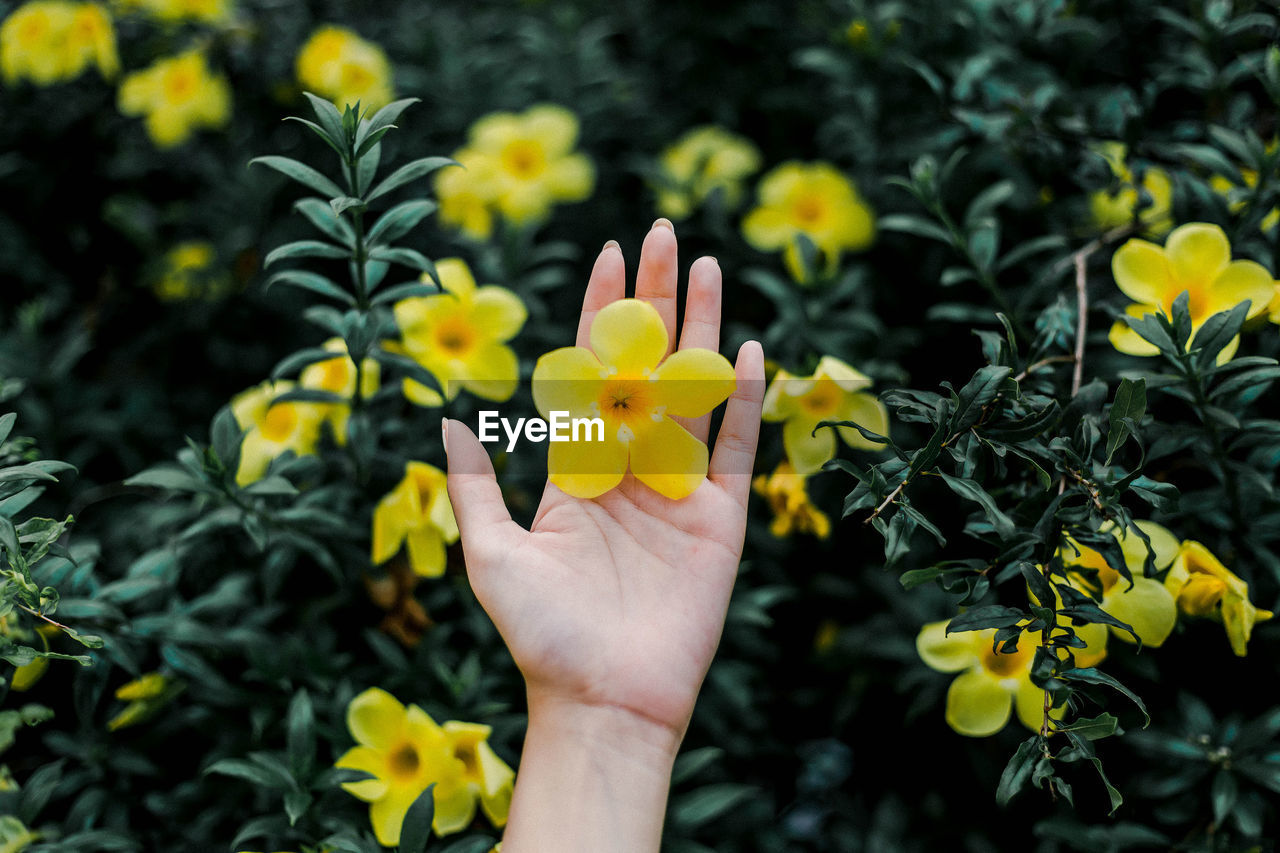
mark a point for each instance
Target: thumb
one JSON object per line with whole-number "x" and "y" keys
{"x": 483, "y": 520}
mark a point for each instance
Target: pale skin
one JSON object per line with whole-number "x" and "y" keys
{"x": 613, "y": 607}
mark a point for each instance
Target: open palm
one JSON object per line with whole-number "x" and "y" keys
{"x": 619, "y": 601}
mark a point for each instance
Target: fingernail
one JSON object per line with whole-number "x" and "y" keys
{"x": 611, "y": 244}
{"x": 444, "y": 434}
{"x": 664, "y": 223}
{"x": 714, "y": 259}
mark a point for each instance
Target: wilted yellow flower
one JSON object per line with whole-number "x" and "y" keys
{"x": 187, "y": 272}
{"x": 461, "y": 336}
{"x": 146, "y": 695}
{"x": 1147, "y": 606}
{"x": 338, "y": 376}
{"x": 177, "y": 95}
{"x": 1226, "y": 188}
{"x": 792, "y": 509}
{"x": 175, "y": 11}
{"x": 1205, "y": 587}
{"x": 48, "y": 41}
{"x": 1113, "y": 209}
{"x": 625, "y": 381}
{"x": 1196, "y": 260}
{"x": 406, "y": 751}
{"x": 337, "y": 64}
{"x": 813, "y": 199}
{"x": 517, "y": 165}
{"x": 704, "y": 160}
{"x": 416, "y": 512}
{"x": 833, "y": 393}
{"x": 26, "y": 676}
{"x": 273, "y": 428}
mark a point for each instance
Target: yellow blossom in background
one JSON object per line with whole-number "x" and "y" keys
{"x": 1196, "y": 260}
{"x": 1205, "y": 587}
{"x": 793, "y": 512}
{"x": 833, "y": 393}
{"x": 517, "y": 166}
{"x": 704, "y": 160}
{"x": 50, "y": 41}
{"x": 146, "y": 695}
{"x": 14, "y": 835}
{"x": 1113, "y": 209}
{"x": 990, "y": 683}
{"x": 416, "y": 513}
{"x": 1227, "y": 188}
{"x": 273, "y": 428}
{"x": 188, "y": 272}
{"x": 176, "y": 11}
{"x": 461, "y": 336}
{"x": 26, "y": 676}
{"x": 628, "y": 381}
{"x": 814, "y": 200}
{"x": 337, "y": 64}
{"x": 1147, "y": 606}
{"x": 176, "y": 95}
{"x": 338, "y": 376}
{"x": 406, "y": 751}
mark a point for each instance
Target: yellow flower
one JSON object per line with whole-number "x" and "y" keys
{"x": 272, "y": 428}
{"x": 146, "y": 695}
{"x": 518, "y": 165}
{"x": 188, "y": 273}
{"x": 14, "y": 835}
{"x": 792, "y": 509}
{"x": 625, "y": 381}
{"x": 47, "y": 41}
{"x": 990, "y": 683}
{"x": 704, "y": 160}
{"x": 26, "y": 676}
{"x": 1226, "y": 188}
{"x": 813, "y": 199}
{"x": 336, "y": 63}
{"x": 1196, "y": 260}
{"x": 177, "y": 95}
{"x": 338, "y": 376}
{"x": 416, "y": 512}
{"x": 833, "y": 393}
{"x": 406, "y": 751}
{"x": 1205, "y": 587}
{"x": 1113, "y": 209}
{"x": 1147, "y": 606}
{"x": 176, "y": 11}
{"x": 460, "y": 336}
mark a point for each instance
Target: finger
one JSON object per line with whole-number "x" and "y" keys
{"x": 483, "y": 521}
{"x": 735, "y": 451}
{"x": 608, "y": 283}
{"x": 656, "y": 278}
{"x": 701, "y": 327}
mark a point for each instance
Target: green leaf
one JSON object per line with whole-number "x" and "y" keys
{"x": 991, "y": 616}
{"x": 967, "y": 488}
{"x": 321, "y": 214}
{"x": 415, "y": 833}
{"x": 1092, "y": 675}
{"x": 302, "y": 173}
{"x": 915, "y": 225}
{"x": 1093, "y": 728}
{"x": 40, "y": 470}
{"x": 344, "y": 203}
{"x": 709, "y": 802}
{"x": 251, "y": 771}
{"x": 295, "y": 362}
{"x": 296, "y": 804}
{"x": 304, "y": 249}
{"x": 689, "y": 764}
{"x": 1217, "y": 332}
{"x": 1018, "y": 770}
{"x": 372, "y": 129}
{"x": 320, "y": 132}
{"x": 409, "y": 172}
{"x": 314, "y": 282}
{"x": 407, "y": 365}
{"x": 330, "y": 119}
{"x": 400, "y": 220}
{"x": 1126, "y": 412}
{"x": 6, "y": 424}
{"x": 408, "y": 290}
{"x": 167, "y": 476}
{"x": 301, "y": 734}
{"x": 976, "y": 394}
{"x": 366, "y": 168}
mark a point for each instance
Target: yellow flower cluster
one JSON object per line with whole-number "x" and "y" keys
{"x": 187, "y": 272}
{"x": 814, "y": 200}
{"x": 1196, "y": 260}
{"x": 416, "y": 513}
{"x": 273, "y": 428}
{"x": 1115, "y": 207}
{"x": 145, "y": 696}
{"x": 703, "y": 161}
{"x": 405, "y": 751}
{"x": 1230, "y": 190}
{"x": 337, "y": 64}
{"x": 461, "y": 336}
{"x": 176, "y": 11}
{"x": 516, "y": 166}
{"x": 793, "y": 512}
{"x": 338, "y": 375}
{"x": 49, "y": 41}
{"x": 177, "y": 95}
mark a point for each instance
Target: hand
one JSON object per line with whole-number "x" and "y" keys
{"x": 613, "y": 607}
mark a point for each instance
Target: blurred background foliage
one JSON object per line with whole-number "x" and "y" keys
{"x": 1002, "y": 149}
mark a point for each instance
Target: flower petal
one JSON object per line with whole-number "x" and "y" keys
{"x": 371, "y": 761}
{"x": 767, "y": 229}
{"x": 1142, "y": 272}
{"x": 978, "y": 705}
{"x": 387, "y": 814}
{"x": 421, "y": 395}
{"x": 806, "y": 449}
{"x": 781, "y": 395}
{"x": 571, "y": 178}
{"x": 1196, "y": 252}
{"x": 842, "y": 374}
{"x": 1126, "y": 339}
{"x": 865, "y": 411}
{"x": 628, "y": 336}
{"x": 375, "y": 718}
{"x": 499, "y": 312}
{"x": 1095, "y": 636}
{"x": 669, "y": 459}
{"x": 426, "y": 551}
{"x": 945, "y": 653}
{"x": 455, "y": 808}
{"x": 1147, "y": 606}
{"x": 587, "y": 469}
{"x": 492, "y": 372}
{"x": 1243, "y": 281}
{"x": 455, "y": 277}
{"x": 1029, "y": 701}
{"x": 1238, "y": 618}
{"x": 568, "y": 380}
{"x": 1164, "y": 546}
{"x": 693, "y": 382}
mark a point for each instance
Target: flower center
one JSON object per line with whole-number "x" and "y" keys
{"x": 466, "y": 753}
{"x": 454, "y": 336}
{"x": 627, "y": 400}
{"x": 335, "y": 374}
{"x": 808, "y": 210}
{"x": 822, "y": 400}
{"x": 425, "y": 490}
{"x": 33, "y": 30}
{"x": 1006, "y": 665}
{"x": 355, "y": 78}
{"x": 278, "y": 423}
{"x": 180, "y": 84}
{"x": 404, "y": 761}
{"x": 524, "y": 159}
{"x": 1197, "y": 301}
